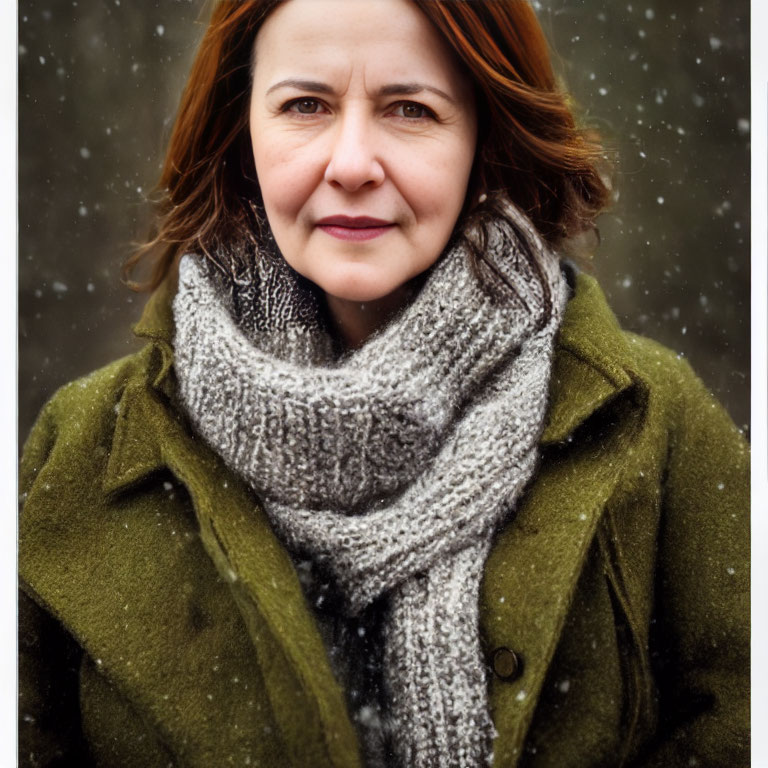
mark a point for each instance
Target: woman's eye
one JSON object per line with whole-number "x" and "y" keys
{"x": 412, "y": 110}
{"x": 304, "y": 106}
{"x": 409, "y": 110}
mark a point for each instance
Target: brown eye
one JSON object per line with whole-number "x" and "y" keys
{"x": 305, "y": 106}
{"x": 411, "y": 110}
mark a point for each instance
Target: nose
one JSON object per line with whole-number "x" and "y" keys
{"x": 354, "y": 162}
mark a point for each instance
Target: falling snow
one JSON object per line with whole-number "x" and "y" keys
{"x": 680, "y": 129}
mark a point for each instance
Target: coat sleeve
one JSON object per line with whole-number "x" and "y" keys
{"x": 49, "y": 659}
{"x": 700, "y": 632}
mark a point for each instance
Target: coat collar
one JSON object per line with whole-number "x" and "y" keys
{"x": 592, "y": 361}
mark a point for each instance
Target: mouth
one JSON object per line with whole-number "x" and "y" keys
{"x": 356, "y": 228}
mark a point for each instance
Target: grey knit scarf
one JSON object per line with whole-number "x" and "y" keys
{"x": 393, "y": 464}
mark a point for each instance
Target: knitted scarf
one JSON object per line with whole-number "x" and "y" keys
{"x": 392, "y": 464}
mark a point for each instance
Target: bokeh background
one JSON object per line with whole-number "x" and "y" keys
{"x": 667, "y": 84}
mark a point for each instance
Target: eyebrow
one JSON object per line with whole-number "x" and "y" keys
{"x": 394, "y": 89}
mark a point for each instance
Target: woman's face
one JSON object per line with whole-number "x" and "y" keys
{"x": 363, "y": 129}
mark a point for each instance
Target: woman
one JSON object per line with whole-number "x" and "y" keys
{"x": 387, "y": 485}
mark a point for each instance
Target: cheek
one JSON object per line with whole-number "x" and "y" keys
{"x": 435, "y": 183}
{"x": 284, "y": 194}
{"x": 286, "y": 177}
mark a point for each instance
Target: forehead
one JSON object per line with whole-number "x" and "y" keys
{"x": 389, "y": 38}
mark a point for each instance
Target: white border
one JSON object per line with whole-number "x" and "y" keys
{"x": 759, "y": 124}
{"x": 8, "y": 378}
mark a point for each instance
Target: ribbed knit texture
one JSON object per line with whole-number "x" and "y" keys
{"x": 390, "y": 465}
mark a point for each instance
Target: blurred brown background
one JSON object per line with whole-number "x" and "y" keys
{"x": 667, "y": 83}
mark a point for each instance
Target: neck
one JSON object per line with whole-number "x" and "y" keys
{"x": 356, "y": 321}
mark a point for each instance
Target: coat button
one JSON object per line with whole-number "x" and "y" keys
{"x": 506, "y": 664}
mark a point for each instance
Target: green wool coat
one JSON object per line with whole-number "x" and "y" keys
{"x": 163, "y": 624}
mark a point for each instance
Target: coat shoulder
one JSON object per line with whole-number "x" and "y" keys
{"x": 80, "y": 416}
{"x": 673, "y": 385}
{"x": 666, "y": 375}
{"x": 657, "y": 363}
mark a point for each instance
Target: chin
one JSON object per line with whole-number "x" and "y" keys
{"x": 360, "y": 293}
{"x": 353, "y": 286}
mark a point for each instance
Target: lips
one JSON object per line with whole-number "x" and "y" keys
{"x": 353, "y": 222}
{"x": 356, "y": 228}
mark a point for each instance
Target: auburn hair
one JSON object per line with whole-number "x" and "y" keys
{"x": 530, "y": 148}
